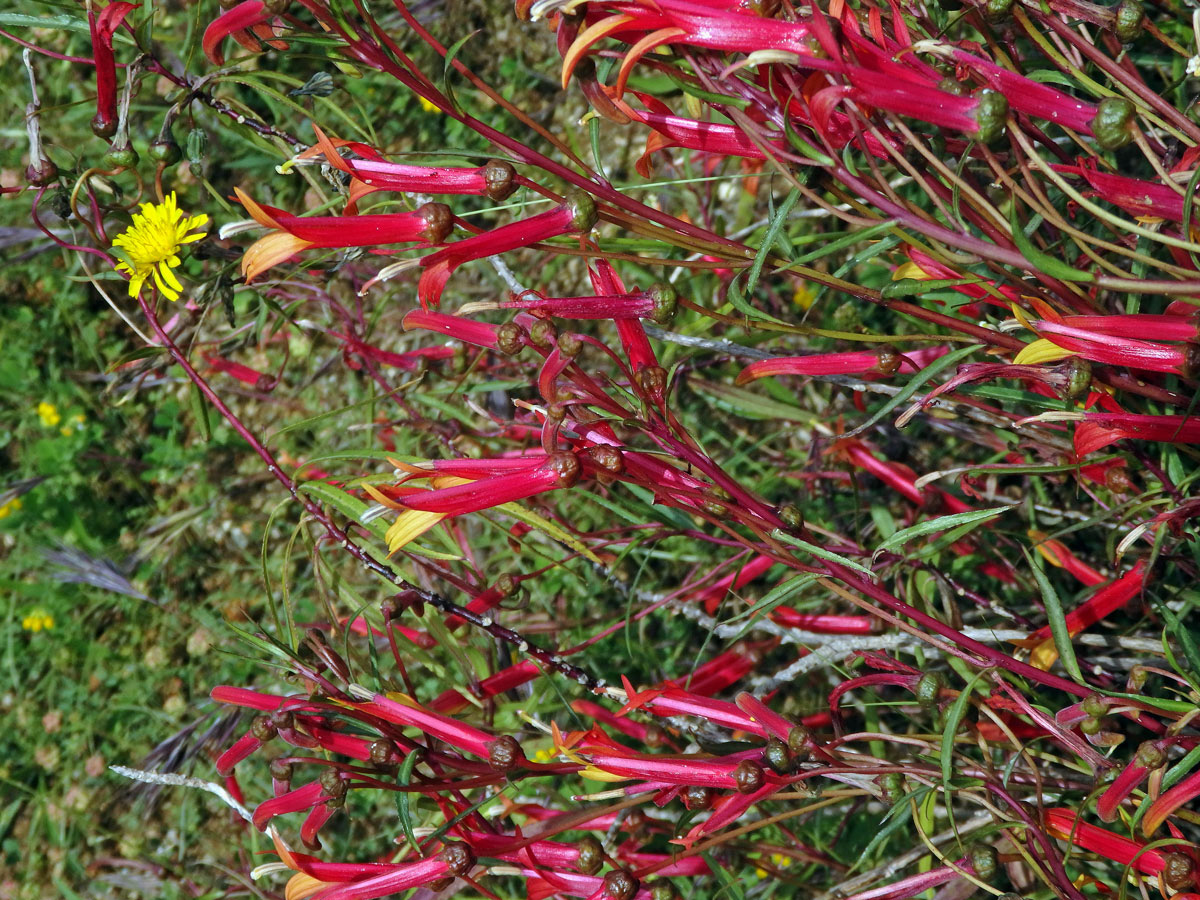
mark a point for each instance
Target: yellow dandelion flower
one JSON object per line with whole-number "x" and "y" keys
{"x": 151, "y": 245}
{"x": 48, "y": 413}
{"x": 10, "y": 507}
{"x": 38, "y": 620}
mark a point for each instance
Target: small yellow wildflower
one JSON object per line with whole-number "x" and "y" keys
{"x": 803, "y": 296}
{"x": 48, "y": 413}
{"x": 10, "y": 507}
{"x": 152, "y": 242}
{"x": 428, "y": 106}
{"x": 38, "y": 620}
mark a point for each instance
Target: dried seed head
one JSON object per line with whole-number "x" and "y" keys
{"x": 1150, "y": 756}
{"x": 619, "y": 884}
{"x": 891, "y": 788}
{"x": 505, "y": 754}
{"x": 280, "y": 770}
{"x": 263, "y": 728}
{"x": 332, "y": 784}
{"x": 510, "y": 338}
{"x": 500, "y": 179}
{"x": 697, "y": 797}
{"x": 1113, "y": 123}
{"x": 776, "y": 755}
{"x": 800, "y": 743}
{"x": 283, "y": 718}
{"x": 439, "y": 222}
{"x": 665, "y": 303}
{"x": 1179, "y": 870}
{"x": 458, "y": 857}
{"x": 748, "y": 776}
{"x": 591, "y": 855}
{"x": 505, "y": 585}
{"x": 1127, "y": 20}
{"x": 583, "y": 210}
{"x": 984, "y": 861}
{"x": 990, "y": 116}
{"x": 929, "y": 688}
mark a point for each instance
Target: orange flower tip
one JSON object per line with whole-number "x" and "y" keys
{"x": 269, "y": 251}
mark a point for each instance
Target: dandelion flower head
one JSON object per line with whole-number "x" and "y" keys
{"x": 152, "y": 242}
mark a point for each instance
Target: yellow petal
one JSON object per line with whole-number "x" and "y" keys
{"x": 910, "y": 270}
{"x": 269, "y": 251}
{"x": 410, "y": 525}
{"x": 1041, "y": 351}
{"x": 302, "y": 885}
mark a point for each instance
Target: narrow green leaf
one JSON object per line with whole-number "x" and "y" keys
{"x": 403, "y": 779}
{"x": 66, "y": 23}
{"x": 941, "y": 523}
{"x": 200, "y": 410}
{"x": 954, "y": 715}
{"x": 821, "y": 552}
{"x": 914, "y": 384}
{"x": 451, "y": 54}
{"x": 1043, "y": 262}
{"x": 1057, "y": 619}
{"x": 773, "y": 230}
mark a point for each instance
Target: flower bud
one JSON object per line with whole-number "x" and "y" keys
{"x": 777, "y": 756}
{"x": 500, "y": 179}
{"x": 891, "y": 788}
{"x": 41, "y": 173}
{"x": 569, "y": 345}
{"x": 620, "y": 885}
{"x": 1179, "y": 871}
{"x": 748, "y": 776}
{"x": 1113, "y": 123}
{"x": 509, "y": 339}
{"x": 566, "y": 467}
{"x": 665, "y": 303}
{"x": 661, "y": 889}
{"x": 929, "y": 688}
{"x": 1094, "y": 705}
{"x": 697, "y": 797}
{"x": 1092, "y": 725}
{"x": 583, "y": 210}
{"x": 119, "y": 158}
{"x": 591, "y": 855}
{"x": 1127, "y": 20}
{"x": 652, "y": 380}
{"x": 333, "y": 784}
{"x": 990, "y": 116}
{"x": 1079, "y": 377}
{"x": 543, "y": 333}
{"x": 889, "y": 362}
{"x": 996, "y": 11}
{"x": 165, "y": 151}
{"x": 608, "y": 458}
{"x": 504, "y": 753}
{"x": 439, "y": 222}
{"x": 280, "y": 770}
{"x": 1150, "y": 756}
{"x": 791, "y": 515}
{"x": 799, "y": 743}
{"x": 383, "y": 753}
{"x": 458, "y": 857}
{"x": 984, "y": 861}
{"x": 952, "y": 85}
{"x": 263, "y": 728}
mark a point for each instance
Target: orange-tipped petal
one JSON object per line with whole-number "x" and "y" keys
{"x": 270, "y": 251}
{"x": 257, "y": 213}
{"x": 301, "y": 886}
{"x": 586, "y": 39}
{"x": 641, "y": 48}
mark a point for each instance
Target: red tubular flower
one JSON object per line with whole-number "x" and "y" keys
{"x": 824, "y": 623}
{"x": 1138, "y": 325}
{"x": 712, "y": 595}
{"x": 1024, "y": 94}
{"x": 242, "y": 21}
{"x": 455, "y": 733}
{"x": 1103, "y": 603}
{"x": 1151, "y": 755}
{"x": 260, "y": 381}
{"x": 970, "y": 114}
{"x": 556, "y": 471}
{"x": 1134, "y": 195}
{"x": 657, "y": 303}
{"x": 1098, "y": 430}
{"x": 402, "y": 876}
{"x": 293, "y": 801}
{"x": 452, "y": 701}
{"x": 242, "y": 748}
{"x": 886, "y": 362}
{"x": 497, "y": 180}
{"x": 1065, "y": 825}
{"x": 915, "y": 884}
{"x": 1170, "y": 801}
{"x": 102, "y": 27}
{"x": 576, "y": 215}
{"x": 290, "y": 234}
{"x": 541, "y": 884}
{"x": 1105, "y": 347}
{"x": 504, "y": 338}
